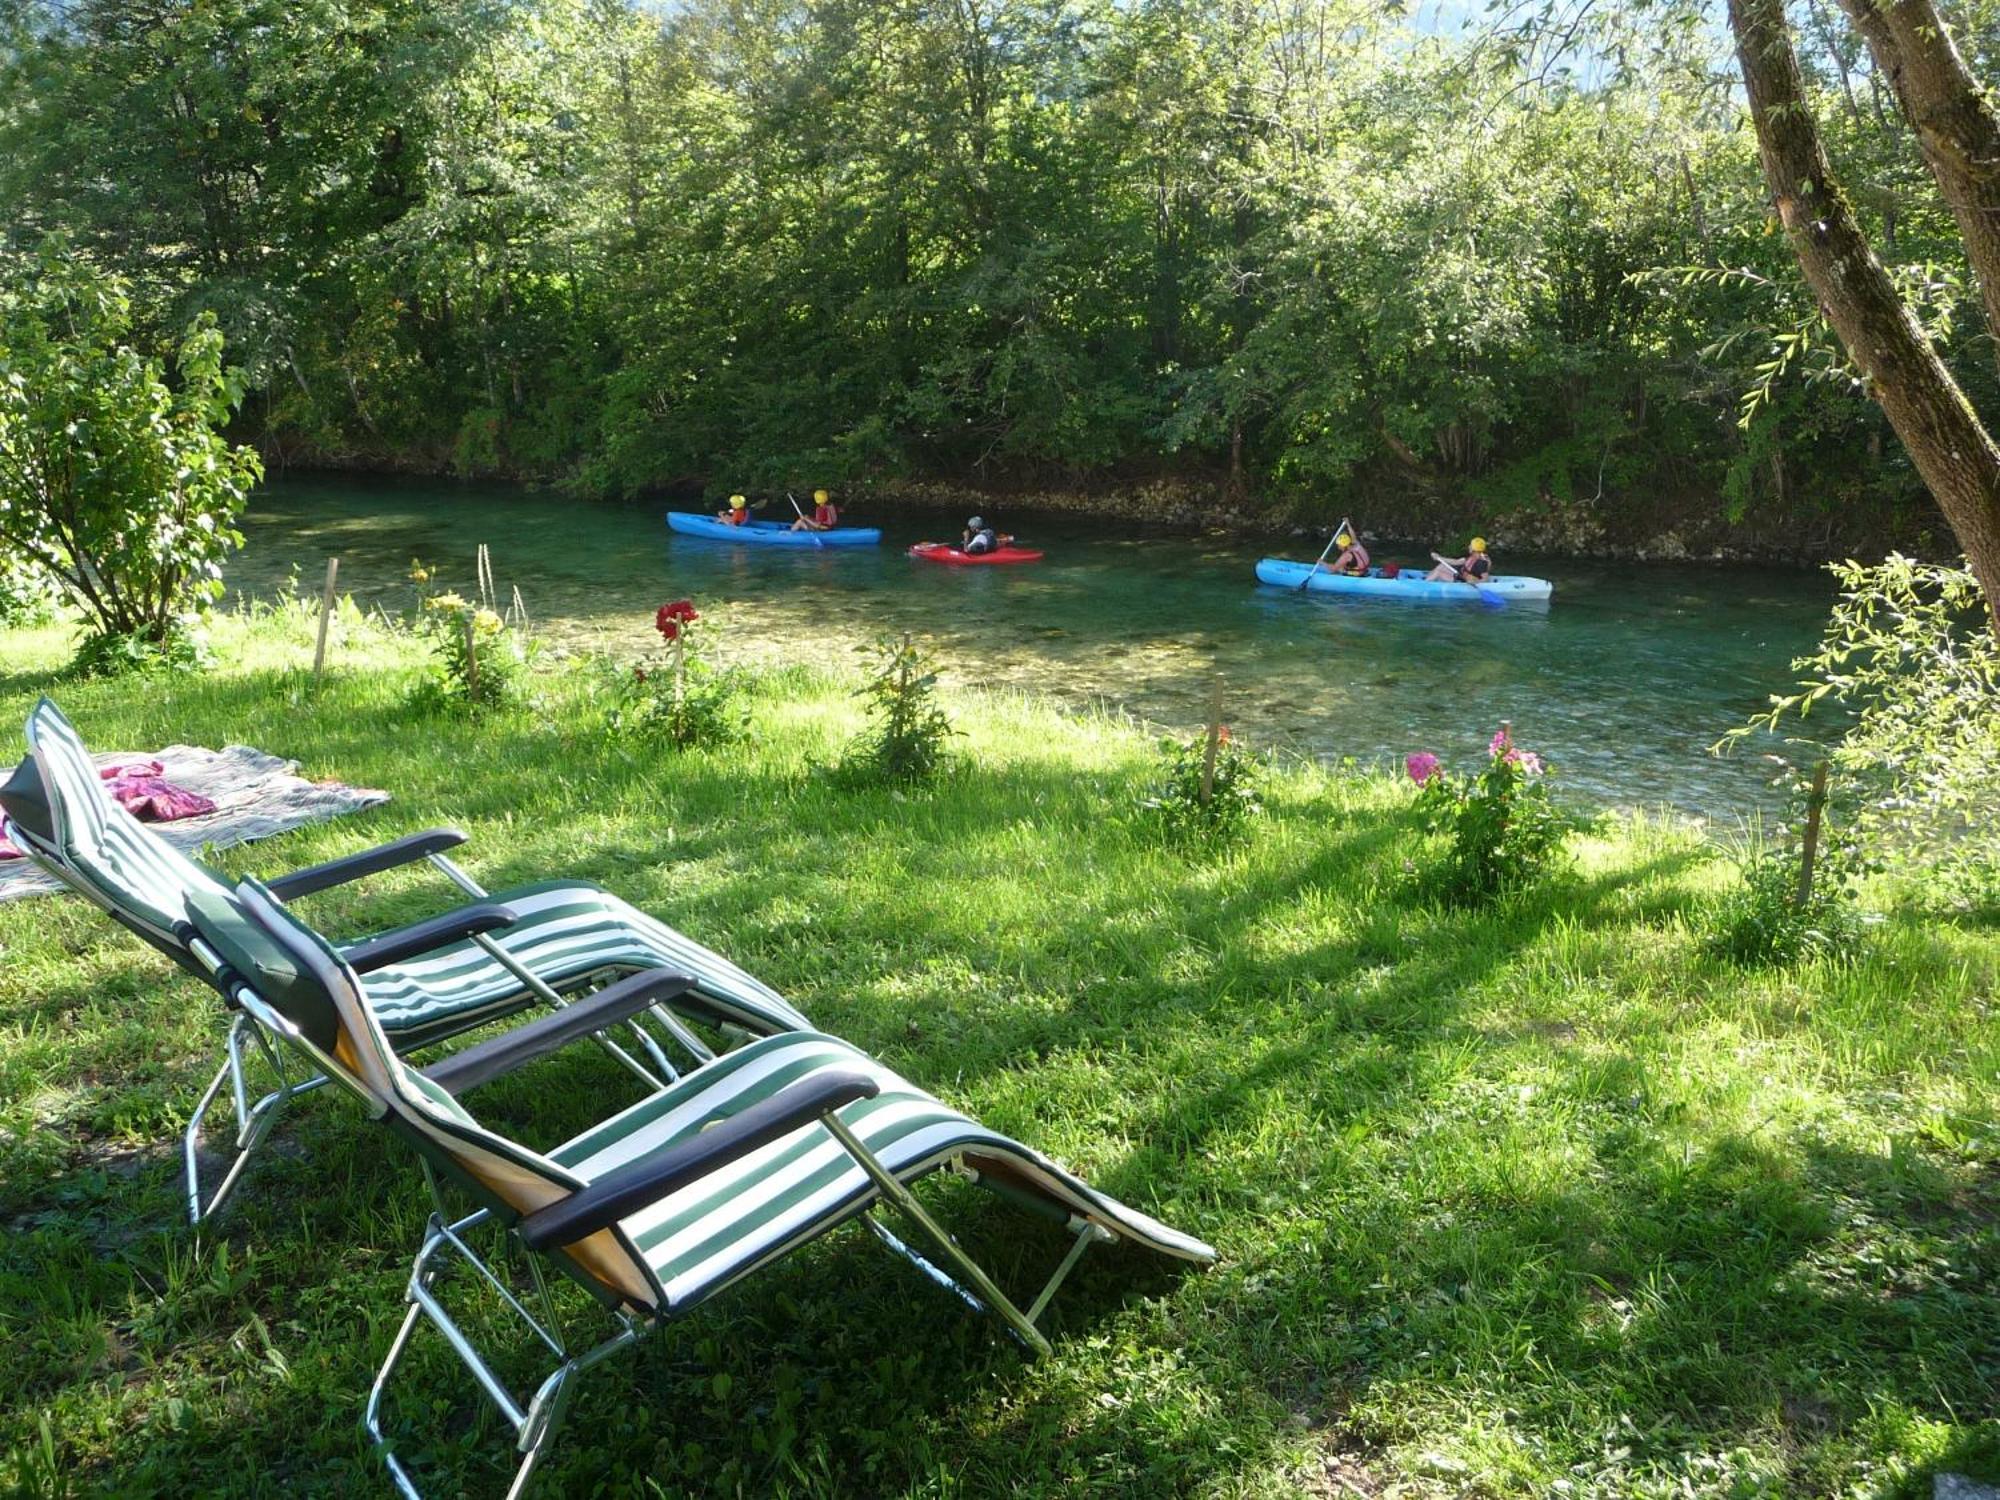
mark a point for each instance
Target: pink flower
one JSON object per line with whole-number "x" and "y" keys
{"x": 1529, "y": 762}
{"x": 1500, "y": 743}
{"x": 1422, "y": 766}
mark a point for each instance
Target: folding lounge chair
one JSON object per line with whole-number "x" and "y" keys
{"x": 427, "y": 982}
{"x": 665, "y": 1204}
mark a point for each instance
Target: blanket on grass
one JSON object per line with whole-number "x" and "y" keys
{"x": 254, "y": 795}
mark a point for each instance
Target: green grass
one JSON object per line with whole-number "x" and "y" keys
{"x": 1530, "y": 1201}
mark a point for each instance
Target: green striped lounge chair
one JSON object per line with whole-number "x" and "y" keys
{"x": 536, "y": 944}
{"x": 662, "y": 1206}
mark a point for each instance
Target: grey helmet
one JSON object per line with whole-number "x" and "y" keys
{"x": 974, "y": 524}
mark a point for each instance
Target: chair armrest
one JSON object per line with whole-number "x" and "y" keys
{"x": 368, "y": 862}
{"x": 394, "y": 946}
{"x": 555, "y": 1029}
{"x": 630, "y": 1188}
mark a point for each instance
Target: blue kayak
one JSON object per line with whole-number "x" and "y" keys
{"x": 1501, "y": 587}
{"x": 772, "y": 533}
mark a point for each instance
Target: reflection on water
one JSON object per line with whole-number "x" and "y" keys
{"x": 1623, "y": 681}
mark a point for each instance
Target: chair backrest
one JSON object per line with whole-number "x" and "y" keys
{"x": 319, "y": 993}
{"x": 105, "y": 851}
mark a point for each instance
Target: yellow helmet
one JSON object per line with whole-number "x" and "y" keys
{"x": 1479, "y": 544}
{"x": 820, "y": 497}
{"x": 1346, "y": 539}
{"x": 737, "y": 502}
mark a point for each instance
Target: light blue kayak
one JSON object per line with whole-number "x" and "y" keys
{"x": 772, "y": 533}
{"x": 1500, "y": 588}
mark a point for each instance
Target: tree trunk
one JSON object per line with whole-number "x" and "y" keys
{"x": 1951, "y": 449}
{"x": 1955, "y": 126}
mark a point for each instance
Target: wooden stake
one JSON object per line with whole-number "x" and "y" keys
{"x": 471, "y": 659}
{"x": 1809, "y": 847}
{"x": 1214, "y": 740}
{"x": 325, "y": 617}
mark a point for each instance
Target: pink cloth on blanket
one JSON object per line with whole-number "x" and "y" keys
{"x": 140, "y": 789}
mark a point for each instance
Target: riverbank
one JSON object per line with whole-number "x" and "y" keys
{"x": 1664, "y": 527}
{"x": 1507, "y": 1201}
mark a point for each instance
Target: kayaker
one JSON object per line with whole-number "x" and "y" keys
{"x": 1473, "y": 568}
{"x": 979, "y": 538}
{"x": 825, "y": 516}
{"x": 1353, "y": 559}
{"x": 738, "y": 513}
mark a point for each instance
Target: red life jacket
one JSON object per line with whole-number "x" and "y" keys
{"x": 826, "y": 515}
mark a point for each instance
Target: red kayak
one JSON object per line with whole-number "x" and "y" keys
{"x": 940, "y": 552}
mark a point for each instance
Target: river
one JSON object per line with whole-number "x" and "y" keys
{"x": 1622, "y": 682}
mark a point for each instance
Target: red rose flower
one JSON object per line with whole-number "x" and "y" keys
{"x": 670, "y": 617}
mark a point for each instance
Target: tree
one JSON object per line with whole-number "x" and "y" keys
{"x": 1943, "y": 434}
{"x": 113, "y": 482}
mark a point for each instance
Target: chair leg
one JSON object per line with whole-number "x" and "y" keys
{"x": 534, "y": 1425}
{"x": 253, "y": 1121}
{"x": 984, "y": 1290}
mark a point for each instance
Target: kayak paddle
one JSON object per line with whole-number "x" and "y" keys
{"x": 810, "y": 531}
{"x": 1486, "y": 596}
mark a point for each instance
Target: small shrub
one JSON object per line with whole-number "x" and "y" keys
{"x": 681, "y": 698}
{"x": 112, "y": 654}
{"x": 480, "y": 663}
{"x": 1176, "y": 800}
{"x": 1504, "y": 828}
{"x": 906, "y": 742}
{"x": 1911, "y": 654}
{"x": 1763, "y": 921}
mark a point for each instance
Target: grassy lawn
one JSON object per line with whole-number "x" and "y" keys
{"x": 1532, "y": 1201}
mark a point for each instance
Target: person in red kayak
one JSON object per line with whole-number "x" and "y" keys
{"x": 979, "y": 538}
{"x": 825, "y": 516}
{"x": 1473, "y": 568}
{"x": 738, "y": 513}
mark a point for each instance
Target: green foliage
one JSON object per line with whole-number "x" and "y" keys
{"x": 679, "y": 698}
{"x": 26, "y": 596}
{"x": 1763, "y": 922}
{"x": 1503, "y": 827}
{"x": 115, "y": 483}
{"x": 1176, "y": 800}
{"x": 591, "y": 240}
{"x": 479, "y": 662}
{"x": 909, "y": 732}
{"x": 1910, "y": 655}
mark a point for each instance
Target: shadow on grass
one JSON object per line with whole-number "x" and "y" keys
{"x": 1426, "y": 1216}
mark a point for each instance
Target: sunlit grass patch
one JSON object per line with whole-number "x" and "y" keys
{"x": 1534, "y": 1195}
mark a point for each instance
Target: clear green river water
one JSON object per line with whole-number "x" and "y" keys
{"x": 1623, "y": 681}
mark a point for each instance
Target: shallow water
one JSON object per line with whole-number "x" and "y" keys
{"x": 1623, "y": 681}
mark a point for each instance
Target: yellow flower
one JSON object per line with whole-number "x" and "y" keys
{"x": 418, "y": 572}
{"x": 442, "y": 602}
{"x": 486, "y": 622}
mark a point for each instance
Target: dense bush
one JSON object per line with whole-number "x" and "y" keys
{"x": 114, "y": 481}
